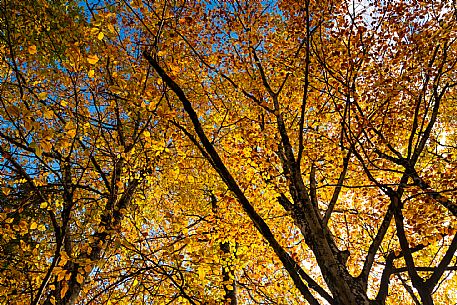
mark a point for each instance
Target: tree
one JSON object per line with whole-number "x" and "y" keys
{"x": 209, "y": 152}
{"x": 67, "y": 173}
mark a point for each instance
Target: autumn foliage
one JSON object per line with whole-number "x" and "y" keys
{"x": 228, "y": 152}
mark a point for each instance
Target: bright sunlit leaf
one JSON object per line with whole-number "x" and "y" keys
{"x": 32, "y": 49}
{"x": 92, "y": 59}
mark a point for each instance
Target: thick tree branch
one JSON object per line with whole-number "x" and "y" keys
{"x": 220, "y": 167}
{"x": 443, "y": 265}
{"x": 401, "y": 234}
{"x": 374, "y": 246}
{"x": 388, "y": 271}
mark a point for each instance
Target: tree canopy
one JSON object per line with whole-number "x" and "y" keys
{"x": 228, "y": 152}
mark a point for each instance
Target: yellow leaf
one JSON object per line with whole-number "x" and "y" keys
{"x": 32, "y": 49}
{"x": 63, "y": 258}
{"x": 92, "y": 59}
{"x": 79, "y": 278}
{"x": 147, "y": 134}
{"x": 110, "y": 27}
{"x": 71, "y": 133}
{"x": 48, "y": 114}
{"x": 43, "y": 95}
{"x": 41, "y": 228}
{"x": 161, "y": 53}
{"x": 201, "y": 273}
{"x": 91, "y": 73}
{"x": 33, "y": 226}
{"x": 44, "y": 205}
{"x": 116, "y": 90}
{"x": 100, "y": 36}
{"x": 6, "y": 191}
{"x": 46, "y": 146}
{"x": 23, "y": 226}
{"x": 88, "y": 268}
{"x": 61, "y": 275}
{"x": 63, "y": 291}
{"x": 38, "y": 151}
